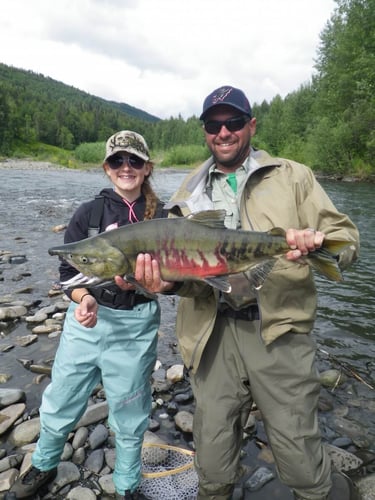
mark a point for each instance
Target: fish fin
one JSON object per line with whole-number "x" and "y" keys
{"x": 325, "y": 259}
{"x": 257, "y": 274}
{"x": 277, "y": 231}
{"x": 210, "y": 218}
{"x": 325, "y": 263}
{"x": 131, "y": 279}
{"x": 219, "y": 282}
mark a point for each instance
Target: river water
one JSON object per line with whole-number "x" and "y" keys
{"x": 34, "y": 200}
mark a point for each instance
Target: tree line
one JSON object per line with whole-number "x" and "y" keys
{"x": 327, "y": 123}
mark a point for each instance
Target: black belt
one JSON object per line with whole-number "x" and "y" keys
{"x": 119, "y": 299}
{"x": 250, "y": 313}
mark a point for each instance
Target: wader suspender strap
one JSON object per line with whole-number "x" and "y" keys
{"x": 96, "y": 215}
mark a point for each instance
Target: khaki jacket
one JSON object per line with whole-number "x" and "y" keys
{"x": 278, "y": 193}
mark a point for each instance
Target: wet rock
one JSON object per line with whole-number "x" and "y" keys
{"x": 25, "y": 433}
{"x": 25, "y": 340}
{"x": 95, "y": 461}
{"x": 93, "y": 414}
{"x": 175, "y": 373}
{"x": 260, "y": 477}
{"x": 332, "y": 378}
{"x": 7, "y": 478}
{"x": 11, "y": 396}
{"x": 12, "y": 312}
{"x": 106, "y": 484}
{"x": 12, "y": 461}
{"x": 80, "y": 437}
{"x": 45, "y": 329}
{"x": 98, "y": 436}
{"x": 37, "y": 318}
{"x": 9, "y": 415}
{"x": 81, "y": 493}
{"x": 4, "y": 377}
{"x": 67, "y": 473}
{"x": 184, "y": 421}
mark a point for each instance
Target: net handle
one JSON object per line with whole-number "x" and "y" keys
{"x": 172, "y": 471}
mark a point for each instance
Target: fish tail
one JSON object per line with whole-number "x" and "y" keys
{"x": 325, "y": 259}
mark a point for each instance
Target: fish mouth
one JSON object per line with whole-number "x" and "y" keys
{"x": 81, "y": 280}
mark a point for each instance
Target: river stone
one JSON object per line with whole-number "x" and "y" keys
{"x": 39, "y": 317}
{"x": 184, "y": 421}
{"x": 80, "y": 437}
{"x": 4, "y": 377}
{"x": 366, "y": 487}
{"x": 40, "y": 329}
{"x": 25, "y": 340}
{"x": 9, "y": 415}
{"x": 25, "y": 433}
{"x": 11, "y": 396}
{"x": 175, "y": 373}
{"x": 332, "y": 378}
{"x": 11, "y": 461}
{"x": 79, "y": 456}
{"x": 93, "y": 414}
{"x": 95, "y": 461}
{"x": 7, "y": 479}
{"x": 12, "y": 312}
{"x": 67, "y": 452}
{"x": 98, "y": 436}
{"x": 81, "y": 493}
{"x": 110, "y": 457}
{"x": 106, "y": 484}
{"x": 348, "y": 427}
{"x": 260, "y": 477}
{"x": 67, "y": 473}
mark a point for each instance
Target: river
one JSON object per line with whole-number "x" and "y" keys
{"x": 34, "y": 200}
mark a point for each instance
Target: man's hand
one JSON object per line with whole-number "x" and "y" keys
{"x": 147, "y": 273}
{"x": 303, "y": 241}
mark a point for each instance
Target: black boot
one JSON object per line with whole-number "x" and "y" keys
{"x": 28, "y": 484}
{"x": 128, "y": 495}
{"x": 343, "y": 488}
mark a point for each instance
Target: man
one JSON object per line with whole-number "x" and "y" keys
{"x": 255, "y": 345}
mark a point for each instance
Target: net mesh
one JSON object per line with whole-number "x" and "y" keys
{"x": 168, "y": 473}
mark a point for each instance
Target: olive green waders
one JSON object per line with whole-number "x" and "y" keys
{"x": 237, "y": 368}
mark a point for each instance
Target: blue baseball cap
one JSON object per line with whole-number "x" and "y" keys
{"x": 226, "y": 95}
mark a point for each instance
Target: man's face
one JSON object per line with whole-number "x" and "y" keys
{"x": 228, "y": 148}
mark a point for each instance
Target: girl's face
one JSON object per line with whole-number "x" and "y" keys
{"x": 127, "y": 173}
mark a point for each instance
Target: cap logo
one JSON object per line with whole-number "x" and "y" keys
{"x": 127, "y": 141}
{"x": 221, "y": 95}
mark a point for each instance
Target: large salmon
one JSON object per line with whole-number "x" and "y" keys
{"x": 197, "y": 247}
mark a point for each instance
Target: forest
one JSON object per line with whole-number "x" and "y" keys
{"x": 327, "y": 123}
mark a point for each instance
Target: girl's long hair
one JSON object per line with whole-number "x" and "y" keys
{"x": 150, "y": 195}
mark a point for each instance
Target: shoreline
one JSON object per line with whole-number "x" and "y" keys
{"x": 31, "y": 164}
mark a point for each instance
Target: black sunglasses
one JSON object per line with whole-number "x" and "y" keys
{"x": 117, "y": 161}
{"x": 232, "y": 124}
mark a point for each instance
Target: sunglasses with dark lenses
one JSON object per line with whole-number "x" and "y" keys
{"x": 117, "y": 161}
{"x": 232, "y": 124}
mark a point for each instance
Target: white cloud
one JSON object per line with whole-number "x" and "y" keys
{"x": 165, "y": 56}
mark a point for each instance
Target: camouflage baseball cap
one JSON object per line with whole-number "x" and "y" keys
{"x": 128, "y": 141}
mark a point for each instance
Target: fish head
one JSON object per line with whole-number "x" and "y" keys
{"x": 94, "y": 257}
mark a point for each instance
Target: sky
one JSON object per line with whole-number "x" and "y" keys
{"x": 165, "y": 56}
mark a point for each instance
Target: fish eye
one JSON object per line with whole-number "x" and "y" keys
{"x": 84, "y": 259}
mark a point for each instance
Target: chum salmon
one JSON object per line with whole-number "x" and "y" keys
{"x": 196, "y": 247}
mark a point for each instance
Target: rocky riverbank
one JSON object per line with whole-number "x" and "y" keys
{"x": 31, "y": 317}
{"x": 88, "y": 458}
